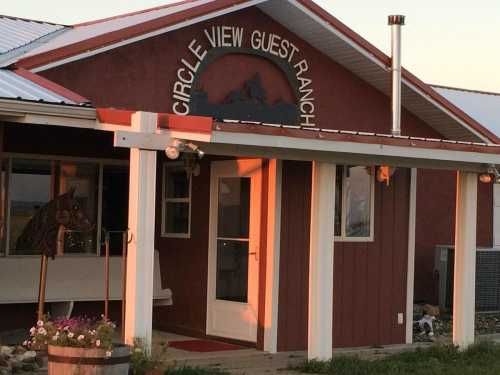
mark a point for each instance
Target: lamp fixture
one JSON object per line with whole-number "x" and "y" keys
{"x": 177, "y": 146}
{"x": 492, "y": 173}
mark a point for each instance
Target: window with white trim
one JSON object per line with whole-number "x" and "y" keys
{"x": 176, "y": 201}
{"x": 354, "y": 203}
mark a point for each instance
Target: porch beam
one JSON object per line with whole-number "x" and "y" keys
{"x": 321, "y": 261}
{"x": 273, "y": 256}
{"x": 141, "y": 222}
{"x": 464, "y": 287}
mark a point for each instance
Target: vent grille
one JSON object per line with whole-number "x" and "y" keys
{"x": 487, "y": 278}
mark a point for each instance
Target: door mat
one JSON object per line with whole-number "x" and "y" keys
{"x": 203, "y": 346}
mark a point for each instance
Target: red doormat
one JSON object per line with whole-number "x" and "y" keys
{"x": 203, "y": 346}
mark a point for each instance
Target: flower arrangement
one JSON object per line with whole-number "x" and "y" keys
{"x": 77, "y": 332}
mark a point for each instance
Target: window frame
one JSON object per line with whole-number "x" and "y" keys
{"x": 8, "y": 157}
{"x": 343, "y": 220}
{"x": 176, "y": 165}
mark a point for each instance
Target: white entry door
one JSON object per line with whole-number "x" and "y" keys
{"x": 233, "y": 254}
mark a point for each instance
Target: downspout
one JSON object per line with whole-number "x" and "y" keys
{"x": 396, "y": 21}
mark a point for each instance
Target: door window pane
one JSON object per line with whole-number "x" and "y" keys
{"x": 83, "y": 179}
{"x": 234, "y": 207}
{"x": 30, "y": 190}
{"x": 358, "y": 201}
{"x": 232, "y": 271}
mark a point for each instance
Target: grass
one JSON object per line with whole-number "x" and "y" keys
{"x": 195, "y": 371}
{"x": 479, "y": 359}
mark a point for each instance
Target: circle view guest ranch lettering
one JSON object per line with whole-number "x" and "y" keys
{"x": 233, "y": 37}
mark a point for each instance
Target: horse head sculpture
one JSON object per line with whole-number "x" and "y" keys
{"x": 41, "y": 232}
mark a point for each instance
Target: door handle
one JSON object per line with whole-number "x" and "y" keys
{"x": 255, "y": 254}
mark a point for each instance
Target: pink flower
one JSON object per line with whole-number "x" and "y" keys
{"x": 39, "y": 323}
{"x": 32, "y": 331}
{"x": 70, "y": 335}
{"x": 81, "y": 337}
{"x": 42, "y": 331}
{"x": 98, "y": 343}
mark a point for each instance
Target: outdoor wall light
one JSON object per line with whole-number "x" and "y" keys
{"x": 491, "y": 174}
{"x": 485, "y": 178}
{"x": 174, "y": 150}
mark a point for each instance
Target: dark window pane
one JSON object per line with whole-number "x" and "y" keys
{"x": 234, "y": 207}
{"x": 358, "y": 202}
{"x": 338, "y": 202}
{"x": 30, "y": 191}
{"x": 115, "y": 205}
{"x": 177, "y": 217}
{"x": 232, "y": 270}
{"x": 84, "y": 179}
{"x": 177, "y": 183}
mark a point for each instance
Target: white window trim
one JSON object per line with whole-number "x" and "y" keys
{"x": 343, "y": 237}
{"x": 101, "y": 162}
{"x": 165, "y": 200}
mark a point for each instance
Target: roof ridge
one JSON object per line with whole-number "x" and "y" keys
{"x": 32, "y": 20}
{"x": 164, "y": 6}
{"x": 466, "y": 90}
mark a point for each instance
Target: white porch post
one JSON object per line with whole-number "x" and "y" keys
{"x": 321, "y": 261}
{"x": 273, "y": 256}
{"x": 141, "y": 222}
{"x": 410, "y": 275}
{"x": 465, "y": 260}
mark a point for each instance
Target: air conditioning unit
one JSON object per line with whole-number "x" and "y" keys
{"x": 487, "y": 278}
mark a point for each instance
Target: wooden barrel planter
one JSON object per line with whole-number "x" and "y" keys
{"x": 64, "y": 360}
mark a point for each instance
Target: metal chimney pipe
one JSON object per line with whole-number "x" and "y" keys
{"x": 396, "y": 21}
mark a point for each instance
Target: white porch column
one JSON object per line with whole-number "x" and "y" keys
{"x": 273, "y": 256}
{"x": 410, "y": 275}
{"x": 464, "y": 289}
{"x": 141, "y": 222}
{"x": 321, "y": 261}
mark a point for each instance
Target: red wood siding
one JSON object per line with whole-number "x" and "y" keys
{"x": 436, "y": 194}
{"x": 369, "y": 277}
{"x": 184, "y": 261}
{"x": 294, "y": 256}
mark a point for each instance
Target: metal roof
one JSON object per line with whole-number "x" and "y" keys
{"x": 94, "y": 29}
{"x": 13, "y": 86}
{"x": 484, "y": 107}
{"x": 376, "y": 136}
{"x": 18, "y": 32}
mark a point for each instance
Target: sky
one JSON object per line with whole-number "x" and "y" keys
{"x": 447, "y": 42}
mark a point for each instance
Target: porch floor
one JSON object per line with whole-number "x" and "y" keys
{"x": 252, "y": 361}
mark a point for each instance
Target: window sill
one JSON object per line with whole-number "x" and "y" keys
{"x": 353, "y": 239}
{"x": 176, "y": 235}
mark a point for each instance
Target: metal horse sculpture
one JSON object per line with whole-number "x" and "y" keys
{"x": 42, "y": 233}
